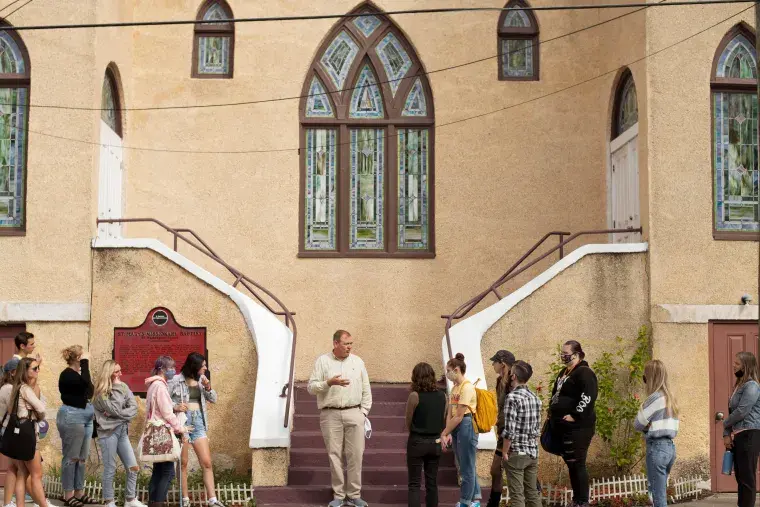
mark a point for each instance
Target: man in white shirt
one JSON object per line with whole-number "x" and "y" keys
{"x": 341, "y": 384}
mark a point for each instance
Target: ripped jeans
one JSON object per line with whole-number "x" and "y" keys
{"x": 75, "y": 427}
{"x": 575, "y": 444}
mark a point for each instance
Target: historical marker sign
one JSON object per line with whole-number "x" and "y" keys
{"x": 137, "y": 348}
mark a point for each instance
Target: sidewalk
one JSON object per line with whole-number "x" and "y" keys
{"x": 718, "y": 500}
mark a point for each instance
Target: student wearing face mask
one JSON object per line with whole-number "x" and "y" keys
{"x": 502, "y": 362}
{"x": 572, "y": 416}
{"x": 460, "y": 430}
{"x": 741, "y": 429}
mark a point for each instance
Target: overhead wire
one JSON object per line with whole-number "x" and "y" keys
{"x": 437, "y": 126}
{"x": 6, "y": 16}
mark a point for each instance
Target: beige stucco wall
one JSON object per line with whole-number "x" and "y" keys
{"x": 129, "y": 283}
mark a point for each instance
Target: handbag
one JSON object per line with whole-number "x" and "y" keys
{"x": 19, "y": 439}
{"x": 550, "y": 441}
{"x": 157, "y": 443}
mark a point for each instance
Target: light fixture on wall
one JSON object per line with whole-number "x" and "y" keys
{"x": 746, "y": 299}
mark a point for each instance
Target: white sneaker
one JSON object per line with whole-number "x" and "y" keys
{"x": 12, "y": 504}
{"x": 131, "y": 503}
{"x": 186, "y": 501}
{"x": 111, "y": 504}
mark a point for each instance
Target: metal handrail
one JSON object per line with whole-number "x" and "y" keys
{"x": 240, "y": 278}
{"x": 512, "y": 272}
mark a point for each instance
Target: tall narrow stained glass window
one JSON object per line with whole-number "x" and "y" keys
{"x": 110, "y": 111}
{"x": 735, "y": 131}
{"x": 518, "y": 43}
{"x": 14, "y": 110}
{"x": 626, "y": 105}
{"x": 214, "y": 42}
{"x": 367, "y": 163}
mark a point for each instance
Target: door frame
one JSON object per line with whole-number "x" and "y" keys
{"x": 612, "y": 147}
{"x": 714, "y": 449}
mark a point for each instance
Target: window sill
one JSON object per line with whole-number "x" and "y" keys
{"x": 736, "y": 236}
{"x": 365, "y": 255}
{"x": 12, "y": 232}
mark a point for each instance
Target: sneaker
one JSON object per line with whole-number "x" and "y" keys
{"x": 336, "y": 503}
{"x": 185, "y": 501}
{"x": 111, "y": 504}
{"x": 475, "y": 503}
{"x": 12, "y": 504}
{"x": 357, "y": 502}
{"x": 132, "y": 503}
{"x": 213, "y": 503}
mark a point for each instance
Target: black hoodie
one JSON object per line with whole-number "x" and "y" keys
{"x": 576, "y": 397}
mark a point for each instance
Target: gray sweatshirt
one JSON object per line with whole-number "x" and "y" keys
{"x": 113, "y": 411}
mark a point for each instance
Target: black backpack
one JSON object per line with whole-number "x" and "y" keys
{"x": 19, "y": 440}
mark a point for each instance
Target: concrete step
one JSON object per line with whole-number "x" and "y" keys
{"x": 373, "y": 495}
{"x": 379, "y": 440}
{"x": 310, "y": 422}
{"x": 380, "y": 392}
{"x": 397, "y": 408}
{"x": 377, "y": 476}
{"x": 372, "y": 458}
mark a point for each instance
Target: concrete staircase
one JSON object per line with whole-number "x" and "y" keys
{"x": 384, "y": 475}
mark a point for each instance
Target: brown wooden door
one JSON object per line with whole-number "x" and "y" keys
{"x": 7, "y": 349}
{"x": 726, "y": 340}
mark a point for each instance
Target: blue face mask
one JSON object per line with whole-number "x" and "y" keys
{"x": 169, "y": 374}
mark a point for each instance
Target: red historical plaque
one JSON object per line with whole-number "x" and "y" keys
{"x": 137, "y": 348}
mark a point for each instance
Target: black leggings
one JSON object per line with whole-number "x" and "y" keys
{"x": 746, "y": 450}
{"x": 575, "y": 444}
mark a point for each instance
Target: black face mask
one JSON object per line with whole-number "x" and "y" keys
{"x": 739, "y": 374}
{"x": 566, "y": 358}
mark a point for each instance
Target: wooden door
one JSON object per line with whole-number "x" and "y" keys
{"x": 726, "y": 340}
{"x": 110, "y": 181}
{"x": 7, "y": 349}
{"x": 624, "y": 184}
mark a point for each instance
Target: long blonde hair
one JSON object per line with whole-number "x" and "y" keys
{"x": 749, "y": 367}
{"x": 104, "y": 384}
{"x": 657, "y": 380}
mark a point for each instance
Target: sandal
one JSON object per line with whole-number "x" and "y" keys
{"x": 86, "y": 500}
{"x": 73, "y": 502}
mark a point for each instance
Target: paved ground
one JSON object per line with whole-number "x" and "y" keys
{"x": 722, "y": 500}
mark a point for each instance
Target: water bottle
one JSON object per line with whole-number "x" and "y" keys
{"x": 728, "y": 462}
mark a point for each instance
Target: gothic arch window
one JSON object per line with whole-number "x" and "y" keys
{"x": 518, "y": 43}
{"x": 14, "y": 113}
{"x": 214, "y": 43}
{"x": 626, "y": 110}
{"x": 367, "y": 144}
{"x": 110, "y": 102}
{"x": 734, "y": 136}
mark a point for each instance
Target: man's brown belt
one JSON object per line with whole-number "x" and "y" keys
{"x": 341, "y": 408}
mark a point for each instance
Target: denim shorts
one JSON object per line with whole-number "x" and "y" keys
{"x": 195, "y": 419}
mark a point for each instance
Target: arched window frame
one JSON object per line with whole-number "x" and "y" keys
{"x": 528, "y": 33}
{"x": 720, "y": 89}
{"x": 394, "y": 125}
{"x": 112, "y": 80}
{"x": 21, "y": 82}
{"x": 626, "y": 80}
{"x": 213, "y": 30}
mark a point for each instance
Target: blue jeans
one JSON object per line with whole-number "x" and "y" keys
{"x": 160, "y": 479}
{"x": 465, "y": 443}
{"x": 75, "y": 429}
{"x": 661, "y": 454}
{"x": 117, "y": 444}
{"x": 195, "y": 419}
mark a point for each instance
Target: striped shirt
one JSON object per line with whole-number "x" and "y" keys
{"x": 653, "y": 418}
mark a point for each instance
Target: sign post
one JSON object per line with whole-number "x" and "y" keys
{"x": 137, "y": 348}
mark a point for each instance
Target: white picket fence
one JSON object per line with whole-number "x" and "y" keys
{"x": 626, "y": 486}
{"x": 237, "y": 494}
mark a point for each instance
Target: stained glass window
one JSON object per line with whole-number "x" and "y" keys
{"x": 518, "y": 43}
{"x": 13, "y": 124}
{"x": 214, "y": 42}
{"x": 627, "y": 105}
{"x": 413, "y": 153}
{"x": 735, "y": 131}
{"x": 109, "y": 104}
{"x": 321, "y": 166}
{"x": 367, "y": 155}
{"x": 378, "y": 202}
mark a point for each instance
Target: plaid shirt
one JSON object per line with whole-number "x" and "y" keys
{"x": 522, "y": 412}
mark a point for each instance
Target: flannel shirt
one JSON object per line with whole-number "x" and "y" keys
{"x": 522, "y": 413}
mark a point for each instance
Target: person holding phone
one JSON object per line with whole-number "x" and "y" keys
{"x": 190, "y": 390}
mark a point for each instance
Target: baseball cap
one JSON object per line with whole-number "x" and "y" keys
{"x": 43, "y": 428}
{"x": 504, "y": 356}
{"x": 11, "y": 364}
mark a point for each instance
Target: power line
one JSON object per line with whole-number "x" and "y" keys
{"x": 10, "y": 5}
{"x": 17, "y": 9}
{"x": 437, "y": 126}
{"x": 298, "y": 97}
{"x": 357, "y": 14}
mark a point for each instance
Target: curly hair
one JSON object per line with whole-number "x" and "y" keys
{"x": 423, "y": 378}
{"x": 71, "y": 354}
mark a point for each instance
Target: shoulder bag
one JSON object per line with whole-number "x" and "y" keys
{"x": 158, "y": 443}
{"x": 19, "y": 440}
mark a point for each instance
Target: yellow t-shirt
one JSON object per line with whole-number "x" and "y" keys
{"x": 463, "y": 394}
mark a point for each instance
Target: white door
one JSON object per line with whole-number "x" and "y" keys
{"x": 624, "y": 184}
{"x": 110, "y": 181}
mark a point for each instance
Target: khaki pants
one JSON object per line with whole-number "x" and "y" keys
{"x": 343, "y": 431}
{"x": 522, "y": 473}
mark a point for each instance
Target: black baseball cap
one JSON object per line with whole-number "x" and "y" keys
{"x": 504, "y": 356}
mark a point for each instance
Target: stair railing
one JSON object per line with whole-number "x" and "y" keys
{"x": 250, "y": 285}
{"x": 464, "y": 309}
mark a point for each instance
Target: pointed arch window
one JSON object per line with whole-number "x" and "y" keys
{"x": 367, "y": 133}
{"x": 214, "y": 43}
{"x": 14, "y": 113}
{"x": 735, "y": 130}
{"x": 626, "y": 113}
{"x": 518, "y": 43}
{"x": 110, "y": 104}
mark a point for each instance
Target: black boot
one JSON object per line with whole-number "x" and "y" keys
{"x": 494, "y": 499}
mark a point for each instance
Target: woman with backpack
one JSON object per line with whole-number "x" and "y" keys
{"x": 572, "y": 416}
{"x": 460, "y": 430}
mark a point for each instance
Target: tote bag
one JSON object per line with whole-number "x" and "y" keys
{"x": 20, "y": 437}
{"x": 157, "y": 442}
